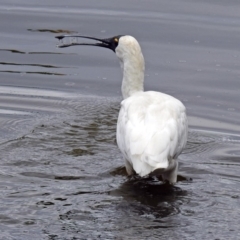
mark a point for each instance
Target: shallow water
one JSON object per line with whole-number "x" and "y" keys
{"x": 61, "y": 173}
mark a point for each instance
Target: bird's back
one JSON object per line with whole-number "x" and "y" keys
{"x": 151, "y": 130}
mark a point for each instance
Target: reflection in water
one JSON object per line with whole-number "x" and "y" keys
{"x": 21, "y": 52}
{"x": 44, "y": 73}
{"x": 150, "y": 197}
{"x": 34, "y": 65}
{"x": 12, "y": 65}
{"x": 12, "y": 51}
{"x": 51, "y": 31}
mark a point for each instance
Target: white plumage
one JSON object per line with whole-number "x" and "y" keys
{"x": 152, "y": 126}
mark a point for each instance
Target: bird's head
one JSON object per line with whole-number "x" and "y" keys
{"x": 128, "y": 52}
{"x": 123, "y": 45}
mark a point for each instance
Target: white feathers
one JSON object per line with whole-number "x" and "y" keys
{"x": 151, "y": 129}
{"x": 132, "y": 64}
{"x": 152, "y": 126}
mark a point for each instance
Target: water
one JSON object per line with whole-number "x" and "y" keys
{"x": 61, "y": 173}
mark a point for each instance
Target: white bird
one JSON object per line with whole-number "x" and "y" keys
{"x": 152, "y": 126}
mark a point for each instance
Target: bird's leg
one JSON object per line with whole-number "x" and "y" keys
{"x": 171, "y": 175}
{"x": 129, "y": 168}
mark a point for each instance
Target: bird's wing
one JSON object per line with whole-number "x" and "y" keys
{"x": 151, "y": 129}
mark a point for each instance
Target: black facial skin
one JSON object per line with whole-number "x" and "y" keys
{"x": 110, "y": 43}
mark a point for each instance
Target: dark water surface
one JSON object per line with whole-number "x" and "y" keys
{"x": 61, "y": 173}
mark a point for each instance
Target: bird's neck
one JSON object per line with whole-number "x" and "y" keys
{"x": 133, "y": 75}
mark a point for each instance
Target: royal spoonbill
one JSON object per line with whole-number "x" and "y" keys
{"x": 152, "y": 126}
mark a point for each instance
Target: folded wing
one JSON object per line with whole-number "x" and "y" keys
{"x": 152, "y": 128}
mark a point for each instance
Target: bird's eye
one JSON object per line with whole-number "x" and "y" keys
{"x": 115, "y": 40}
